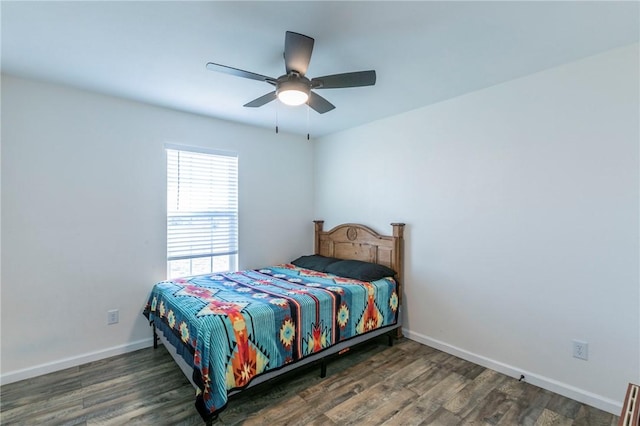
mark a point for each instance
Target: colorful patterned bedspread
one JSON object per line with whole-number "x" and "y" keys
{"x": 231, "y": 327}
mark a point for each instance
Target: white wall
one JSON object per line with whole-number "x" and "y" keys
{"x": 521, "y": 204}
{"x": 84, "y": 216}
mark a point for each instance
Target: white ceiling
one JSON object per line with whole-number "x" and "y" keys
{"x": 423, "y": 52}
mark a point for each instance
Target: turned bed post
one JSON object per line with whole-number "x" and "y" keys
{"x": 398, "y": 235}
{"x": 318, "y": 224}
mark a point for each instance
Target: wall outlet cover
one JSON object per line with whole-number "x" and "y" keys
{"x": 112, "y": 317}
{"x": 580, "y": 350}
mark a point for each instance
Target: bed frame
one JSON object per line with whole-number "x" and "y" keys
{"x": 347, "y": 241}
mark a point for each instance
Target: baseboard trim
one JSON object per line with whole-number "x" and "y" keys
{"x": 50, "y": 367}
{"x": 547, "y": 383}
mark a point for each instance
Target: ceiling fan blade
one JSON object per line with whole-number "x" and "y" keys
{"x": 319, "y": 103}
{"x": 262, "y": 100}
{"x": 239, "y": 73}
{"x": 348, "y": 79}
{"x": 297, "y": 52}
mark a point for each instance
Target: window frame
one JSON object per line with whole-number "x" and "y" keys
{"x": 202, "y": 218}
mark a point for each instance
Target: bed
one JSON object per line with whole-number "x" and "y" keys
{"x": 232, "y": 331}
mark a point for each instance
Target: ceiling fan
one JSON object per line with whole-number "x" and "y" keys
{"x": 294, "y": 88}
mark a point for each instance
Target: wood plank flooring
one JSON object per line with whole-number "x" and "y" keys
{"x": 374, "y": 384}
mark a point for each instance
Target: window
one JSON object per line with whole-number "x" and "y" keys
{"x": 202, "y": 212}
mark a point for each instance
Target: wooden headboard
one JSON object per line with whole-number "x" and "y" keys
{"x": 359, "y": 242}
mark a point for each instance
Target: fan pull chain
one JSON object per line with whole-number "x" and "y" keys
{"x": 307, "y": 121}
{"x": 276, "y": 119}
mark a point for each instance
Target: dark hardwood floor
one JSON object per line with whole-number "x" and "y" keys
{"x": 407, "y": 384}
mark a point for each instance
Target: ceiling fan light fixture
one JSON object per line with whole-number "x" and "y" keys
{"x": 293, "y": 93}
{"x": 293, "y": 97}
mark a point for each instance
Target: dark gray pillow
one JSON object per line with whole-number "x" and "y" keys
{"x": 314, "y": 262}
{"x": 359, "y": 270}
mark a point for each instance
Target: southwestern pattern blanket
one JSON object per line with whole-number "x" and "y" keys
{"x": 232, "y": 327}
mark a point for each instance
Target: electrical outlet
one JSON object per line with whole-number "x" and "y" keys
{"x": 112, "y": 316}
{"x": 580, "y": 350}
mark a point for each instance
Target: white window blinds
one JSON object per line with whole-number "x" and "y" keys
{"x": 202, "y": 204}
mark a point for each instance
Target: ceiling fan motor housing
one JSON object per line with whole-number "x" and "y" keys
{"x": 293, "y": 81}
